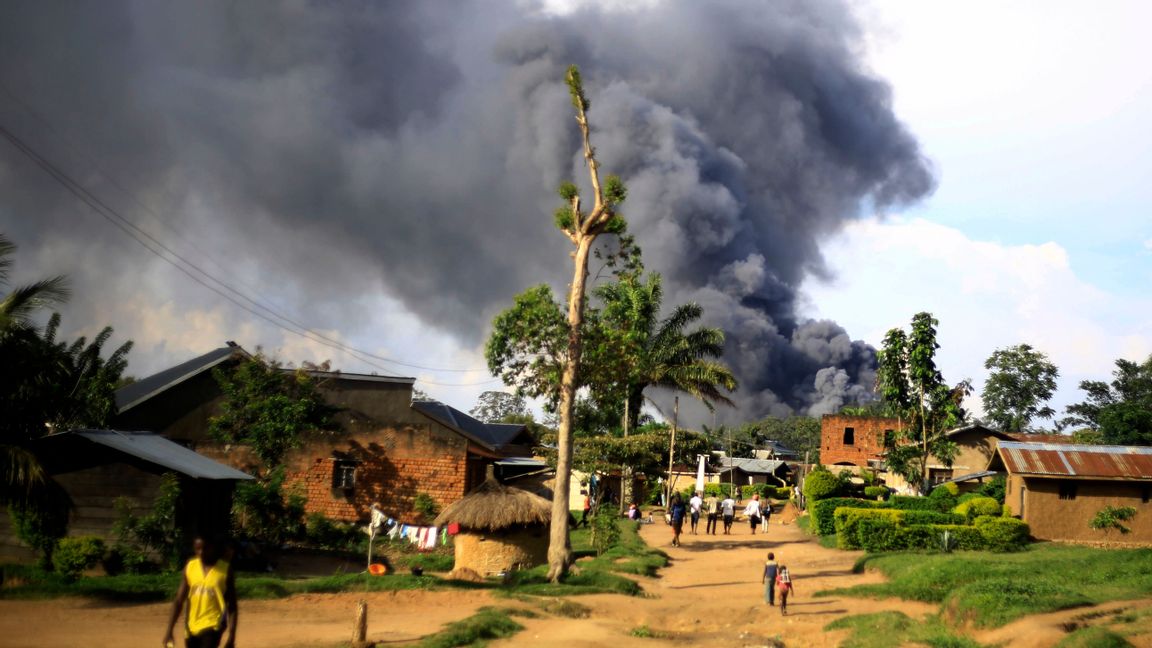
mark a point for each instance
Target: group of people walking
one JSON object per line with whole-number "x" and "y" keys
{"x": 714, "y": 510}
{"x": 775, "y": 577}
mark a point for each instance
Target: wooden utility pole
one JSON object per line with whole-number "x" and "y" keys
{"x": 625, "y": 471}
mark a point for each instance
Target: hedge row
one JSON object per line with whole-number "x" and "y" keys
{"x": 895, "y": 530}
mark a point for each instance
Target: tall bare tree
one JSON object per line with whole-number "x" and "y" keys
{"x": 582, "y": 227}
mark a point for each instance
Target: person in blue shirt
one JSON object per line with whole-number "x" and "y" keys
{"x": 677, "y": 511}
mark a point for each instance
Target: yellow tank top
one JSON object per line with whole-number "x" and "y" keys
{"x": 205, "y": 596}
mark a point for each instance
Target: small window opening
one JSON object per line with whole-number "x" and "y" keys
{"x": 849, "y": 436}
{"x": 344, "y": 474}
{"x": 1147, "y": 495}
{"x": 1067, "y": 491}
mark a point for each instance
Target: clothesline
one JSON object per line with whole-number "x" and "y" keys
{"x": 424, "y": 537}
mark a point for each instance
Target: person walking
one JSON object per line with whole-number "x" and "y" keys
{"x": 587, "y": 508}
{"x": 207, "y": 597}
{"x": 677, "y": 510}
{"x": 766, "y": 513}
{"x": 784, "y": 587}
{"x": 712, "y": 510}
{"x": 768, "y": 578}
{"x": 752, "y": 512}
{"x": 728, "y": 510}
{"x": 695, "y": 505}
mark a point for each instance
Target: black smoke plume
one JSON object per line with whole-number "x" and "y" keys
{"x": 329, "y": 150}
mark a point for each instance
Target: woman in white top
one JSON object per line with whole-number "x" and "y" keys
{"x": 752, "y": 512}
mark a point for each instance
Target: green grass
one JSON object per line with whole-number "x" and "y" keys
{"x": 992, "y": 589}
{"x": 487, "y": 623}
{"x": 1094, "y": 637}
{"x": 885, "y": 629}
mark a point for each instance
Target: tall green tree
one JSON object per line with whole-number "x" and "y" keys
{"x": 798, "y": 433}
{"x": 914, "y": 390}
{"x": 582, "y": 226}
{"x": 1120, "y": 410}
{"x": 663, "y": 353}
{"x": 499, "y": 407}
{"x": 1020, "y": 384}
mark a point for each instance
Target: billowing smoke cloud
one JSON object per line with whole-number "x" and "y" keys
{"x": 332, "y": 150}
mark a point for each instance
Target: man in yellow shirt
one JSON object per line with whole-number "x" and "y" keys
{"x": 207, "y": 596}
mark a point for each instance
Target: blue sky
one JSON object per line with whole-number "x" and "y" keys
{"x": 1038, "y": 118}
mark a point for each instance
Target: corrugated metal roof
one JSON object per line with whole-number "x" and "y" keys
{"x": 131, "y": 395}
{"x": 156, "y": 449}
{"x": 1070, "y": 460}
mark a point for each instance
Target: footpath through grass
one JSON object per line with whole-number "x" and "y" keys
{"x": 993, "y": 589}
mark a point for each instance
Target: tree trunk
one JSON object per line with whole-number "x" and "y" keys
{"x": 559, "y": 550}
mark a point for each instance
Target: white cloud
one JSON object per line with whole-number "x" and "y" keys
{"x": 986, "y": 296}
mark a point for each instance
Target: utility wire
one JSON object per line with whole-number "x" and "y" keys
{"x": 158, "y": 248}
{"x": 151, "y": 243}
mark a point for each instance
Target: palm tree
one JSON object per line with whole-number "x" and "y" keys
{"x": 662, "y": 353}
{"x": 20, "y": 471}
{"x": 21, "y": 302}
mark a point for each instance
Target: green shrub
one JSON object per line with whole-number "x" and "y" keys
{"x": 1112, "y": 517}
{"x": 426, "y": 506}
{"x": 74, "y": 555}
{"x": 948, "y": 490}
{"x": 821, "y": 485}
{"x": 823, "y": 512}
{"x": 155, "y": 532}
{"x": 961, "y": 536}
{"x": 605, "y": 531}
{"x": 39, "y": 527}
{"x": 784, "y": 492}
{"x": 995, "y": 488}
{"x": 945, "y": 495}
{"x": 1002, "y": 534}
{"x": 321, "y": 532}
{"x": 977, "y": 506}
{"x": 913, "y": 503}
{"x": 932, "y": 517}
{"x": 876, "y": 492}
{"x": 849, "y": 532}
{"x": 718, "y": 490}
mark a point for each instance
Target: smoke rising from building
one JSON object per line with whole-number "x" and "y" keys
{"x": 337, "y": 149}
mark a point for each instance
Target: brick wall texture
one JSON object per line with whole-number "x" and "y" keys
{"x": 867, "y": 439}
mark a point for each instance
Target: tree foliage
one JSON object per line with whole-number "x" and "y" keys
{"x": 914, "y": 390}
{"x": 1021, "y": 381}
{"x": 268, "y": 409}
{"x": 798, "y": 433}
{"x": 45, "y": 384}
{"x": 1120, "y": 410}
{"x": 499, "y": 407}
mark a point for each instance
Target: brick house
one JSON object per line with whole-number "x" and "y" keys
{"x": 1058, "y": 488}
{"x": 859, "y": 441}
{"x": 854, "y": 440}
{"x": 389, "y": 449}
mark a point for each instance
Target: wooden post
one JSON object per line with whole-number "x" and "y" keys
{"x": 672, "y": 448}
{"x": 360, "y": 626}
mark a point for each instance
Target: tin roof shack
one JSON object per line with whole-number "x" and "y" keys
{"x": 1059, "y": 488}
{"x": 96, "y": 467}
{"x": 502, "y": 528}
{"x": 743, "y": 472}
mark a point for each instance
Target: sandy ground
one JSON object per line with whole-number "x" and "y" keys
{"x": 710, "y": 596}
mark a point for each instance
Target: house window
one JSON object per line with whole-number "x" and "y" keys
{"x": 889, "y": 439}
{"x": 849, "y": 436}
{"x": 344, "y": 474}
{"x": 1067, "y": 490}
{"x": 939, "y": 475}
{"x": 1147, "y": 494}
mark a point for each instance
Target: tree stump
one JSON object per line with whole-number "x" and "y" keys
{"x": 360, "y": 627}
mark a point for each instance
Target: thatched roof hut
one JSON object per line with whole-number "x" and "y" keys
{"x": 501, "y": 528}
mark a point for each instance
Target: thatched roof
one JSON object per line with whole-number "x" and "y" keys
{"x": 492, "y": 506}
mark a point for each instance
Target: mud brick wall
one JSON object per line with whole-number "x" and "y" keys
{"x": 391, "y": 466}
{"x": 867, "y": 439}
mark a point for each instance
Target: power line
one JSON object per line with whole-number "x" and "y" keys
{"x": 151, "y": 244}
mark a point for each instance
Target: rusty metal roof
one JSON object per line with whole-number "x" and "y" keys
{"x": 1070, "y": 460}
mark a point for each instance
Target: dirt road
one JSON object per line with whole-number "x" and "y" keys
{"x": 709, "y": 596}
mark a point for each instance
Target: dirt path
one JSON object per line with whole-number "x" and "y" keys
{"x": 709, "y": 596}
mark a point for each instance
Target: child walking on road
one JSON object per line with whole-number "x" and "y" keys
{"x": 784, "y": 587}
{"x": 768, "y": 579}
